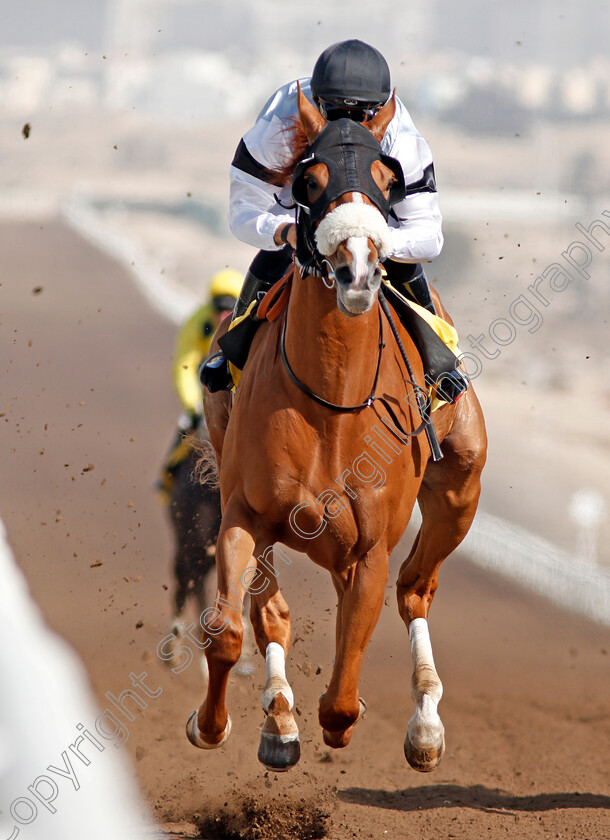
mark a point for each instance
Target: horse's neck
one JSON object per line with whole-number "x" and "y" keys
{"x": 335, "y": 355}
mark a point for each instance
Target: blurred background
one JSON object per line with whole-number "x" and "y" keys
{"x": 121, "y": 116}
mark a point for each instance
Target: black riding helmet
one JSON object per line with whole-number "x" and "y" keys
{"x": 351, "y": 77}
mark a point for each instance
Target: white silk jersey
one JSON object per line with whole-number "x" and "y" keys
{"x": 257, "y": 208}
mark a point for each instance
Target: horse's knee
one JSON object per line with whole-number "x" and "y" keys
{"x": 224, "y": 641}
{"x": 415, "y": 593}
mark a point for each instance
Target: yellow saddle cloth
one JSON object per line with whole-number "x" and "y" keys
{"x": 444, "y": 330}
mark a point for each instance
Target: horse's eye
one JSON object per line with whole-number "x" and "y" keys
{"x": 311, "y": 183}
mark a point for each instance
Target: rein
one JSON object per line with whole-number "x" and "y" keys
{"x": 320, "y": 400}
{"x": 422, "y": 402}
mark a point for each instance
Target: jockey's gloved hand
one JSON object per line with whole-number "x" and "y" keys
{"x": 189, "y": 421}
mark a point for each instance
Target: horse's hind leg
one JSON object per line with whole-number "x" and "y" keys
{"x": 179, "y": 597}
{"x": 279, "y": 747}
{"x": 448, "y": 500}
{"x": 361, "y": 591}
{"x": 210, "y": 726}
{"x": 181, "y": 589}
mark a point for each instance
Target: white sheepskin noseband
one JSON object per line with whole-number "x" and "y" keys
{"x": 353, "y": 220}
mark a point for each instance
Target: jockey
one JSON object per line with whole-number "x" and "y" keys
{"x": 350, "y": 79}
{"x": 192, "y": 346}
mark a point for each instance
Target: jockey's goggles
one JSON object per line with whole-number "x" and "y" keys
{"x": 359, "y": 111}
{"x": 223, "y": 303}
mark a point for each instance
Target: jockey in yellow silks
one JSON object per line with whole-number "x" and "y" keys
{"x": 191, "y": 348}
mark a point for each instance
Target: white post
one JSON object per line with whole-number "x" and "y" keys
{"x": 588, "y": 510}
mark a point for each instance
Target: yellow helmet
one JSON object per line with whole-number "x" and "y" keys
{"x": 226, "y": 283}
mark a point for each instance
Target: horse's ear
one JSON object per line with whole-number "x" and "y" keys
{"x": 311, "y": 119}
{"x": 382, "y": 118}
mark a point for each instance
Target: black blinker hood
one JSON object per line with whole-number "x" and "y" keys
{"x": 348, "y": 149}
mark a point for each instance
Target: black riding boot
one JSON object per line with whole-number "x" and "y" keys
{"x": 249, "y": 291}
{"x": 410, "y": 280}
{"x": 272, "y": 265}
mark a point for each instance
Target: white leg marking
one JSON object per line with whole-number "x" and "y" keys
{"x": 275, "y": 661}
{"x": 425, "y": 726}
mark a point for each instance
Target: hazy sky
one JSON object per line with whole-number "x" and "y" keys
{"x": 562, "y": 32}
{"x": 46, "y": 22}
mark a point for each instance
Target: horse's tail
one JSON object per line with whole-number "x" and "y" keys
{"x": 205, "y": 471}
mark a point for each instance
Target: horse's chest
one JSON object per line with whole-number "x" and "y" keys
{"x": 354, "y": 505}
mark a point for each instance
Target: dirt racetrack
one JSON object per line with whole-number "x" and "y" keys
{"x": 86, "y": 413}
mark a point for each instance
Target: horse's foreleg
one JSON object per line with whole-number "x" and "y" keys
{"x": 210, "y": 726}
{"x": 416, "y": 585}
{"x": 279, "y": 747}
{"x": 245, "y": 666}
{"x": 361, "y": 592}
{"x": 448, "y": 499}
{"x": 203, "y": 595}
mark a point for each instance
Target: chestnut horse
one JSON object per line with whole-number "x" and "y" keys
{"x": 319, "y": 449}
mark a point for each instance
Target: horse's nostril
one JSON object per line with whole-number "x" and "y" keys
{"x": 344, "y": 275}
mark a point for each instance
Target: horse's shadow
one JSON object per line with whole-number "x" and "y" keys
{"x": 477, "y": 797}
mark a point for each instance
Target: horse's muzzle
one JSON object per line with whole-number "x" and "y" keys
{"x": 352, "y": 302}
{"x": 356, "y": 294}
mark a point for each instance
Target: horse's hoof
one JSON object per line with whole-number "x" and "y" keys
{"x": 279, "y": 747}
{"x": 279, "y": 753}
{"x": 194, "y": 735}
{"x": 424, "y": 760}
